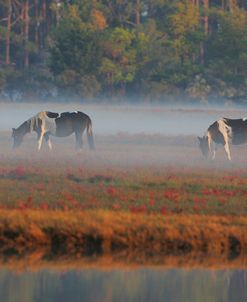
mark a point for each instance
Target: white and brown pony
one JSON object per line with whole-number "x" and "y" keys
{"x": 224, "y": 132}
{"x": 47, "y": 123}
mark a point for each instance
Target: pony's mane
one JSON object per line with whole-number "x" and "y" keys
{"x": 34, "y": 121}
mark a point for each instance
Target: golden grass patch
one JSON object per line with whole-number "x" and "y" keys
{"x": 99, "y": 231}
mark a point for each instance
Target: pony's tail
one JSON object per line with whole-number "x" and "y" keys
{"x": 90, "y": 138}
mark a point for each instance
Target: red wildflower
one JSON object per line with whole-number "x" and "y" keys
{"x": 222, "y": 200}
{"x": 198, "y": 200}
{"x": 44, "y": 206}
{"x": 20, "y": 171}
{"x": 171, "y": 194}
{"x": 111, "y": 190}
{"x": 163, "y": 210}
{"x": 115, "y": 206}
{"x": 136, "y": 209}
{"x": 29, "y": 202}
{"x": 206, "y": 192}
{"x": 196, "y": 208}
{"x": 22, "y": 205}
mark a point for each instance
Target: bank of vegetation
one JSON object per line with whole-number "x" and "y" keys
{"x": 112, "y": 50}
{"x": 100, "y": 231}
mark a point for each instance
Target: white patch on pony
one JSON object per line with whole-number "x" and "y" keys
{"x": 244, "y": 119}
{"x": 225, "y": 130}
{"x": 227, "y": 134}
{"x": 47, "y": 124}
{"x": 34, "y": 121}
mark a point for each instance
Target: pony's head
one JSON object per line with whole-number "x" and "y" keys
{"x": 203, "y": 145}
{"x": 17, "y": 136}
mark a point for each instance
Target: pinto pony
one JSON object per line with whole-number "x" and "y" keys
{"x": 224, "y": 132}
{"x": 47, "y": 123}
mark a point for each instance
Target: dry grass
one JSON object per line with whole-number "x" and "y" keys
{"x": 104, "y": 232}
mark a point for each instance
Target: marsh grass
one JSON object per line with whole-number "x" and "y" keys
{"x": 140, "y": 196}
{"x": 98, "y": 231}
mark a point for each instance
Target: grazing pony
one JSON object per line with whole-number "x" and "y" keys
{"x": 47, "y": 123}
{"x": 225, "y": 131}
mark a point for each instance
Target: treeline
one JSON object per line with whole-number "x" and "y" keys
{"x": 195, "y": 50}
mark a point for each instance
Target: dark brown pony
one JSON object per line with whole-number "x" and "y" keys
{"x": 47, "y": 123}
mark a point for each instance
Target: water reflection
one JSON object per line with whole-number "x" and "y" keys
{"x": 121, "y": 285}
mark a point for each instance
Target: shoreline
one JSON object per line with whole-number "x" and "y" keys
{"x": 41, "y": 259}
{"x": 101, "y": 231}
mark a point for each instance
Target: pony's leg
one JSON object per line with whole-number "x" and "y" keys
{"x": 40, "y": 141}
{"x": 211, "y": 146}
{"x": 226, "y": 139}
{"x": 48, "y": 140}
{"x": 49, "y": 144}
{"x": 78, "y": 138}
{"x": 41, "y": 135}
{"x": 227, "y": 149}
{"x": 214, "y": 148}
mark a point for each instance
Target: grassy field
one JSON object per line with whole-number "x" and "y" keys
{"x": 142, "y": 190}
{"x": 134, "y": 191}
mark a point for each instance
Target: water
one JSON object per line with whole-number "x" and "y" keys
{"x": 122, "y": 285}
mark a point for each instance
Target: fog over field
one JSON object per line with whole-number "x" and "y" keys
{"x": 110, "y": 120}
{"x": 124, "y": 135}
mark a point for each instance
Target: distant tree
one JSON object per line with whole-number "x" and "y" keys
{"x": 74, "y": 51}
{"x": 226, "y": 56}
{"x": 176, "y": 46}
{"x": 119, "y": 62}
